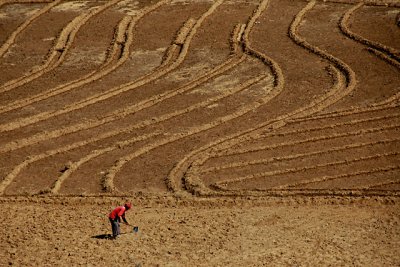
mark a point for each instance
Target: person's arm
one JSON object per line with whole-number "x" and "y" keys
{"x": 120, "y": 213}
{"x": 124, "y": 219}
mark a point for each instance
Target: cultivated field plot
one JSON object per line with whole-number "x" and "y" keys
{"x": 211, "y": 98}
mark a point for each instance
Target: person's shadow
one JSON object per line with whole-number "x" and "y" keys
{"x": 109, "y": 236}
{"x": 103, "y": 236}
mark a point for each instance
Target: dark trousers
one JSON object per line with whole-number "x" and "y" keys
{"x": 115, "y": 227}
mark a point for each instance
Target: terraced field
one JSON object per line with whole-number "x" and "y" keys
{"x": 244, "y": 132}
{"x": 210, "y": 98}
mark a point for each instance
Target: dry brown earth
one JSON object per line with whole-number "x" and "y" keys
{"x": 273, "y": 232}
{"x": 260, "y": 132}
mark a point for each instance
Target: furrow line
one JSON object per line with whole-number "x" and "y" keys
{"x": 166, "y": 67}
{"x": 259, "y": 148}
{"x": 344, "y": 112}
{"x": 174, "y": 178}
{"x": 389, "y": 51}
{"x": 162, "y": 70}
{"x": 335, "y": 177}
{"x": 378, "y": 51}
{"x": 313, "y": 107}
{"x": 387, "y": 3}
{"x": 276, "y": 70}
{"x": 26, "y": 1}
{"x": 380, "y": 184}
{"x": 184, "y": 32}
{"x": 338, "y": 85}
{"x": 109, "y": 178}
{"x": 121, "y": 113}
{"x": 95, "y": 153}
{"x": 222, "y": 184}
{"x": 31, "y": 159}
{"x": 222, "y": 191}
{"x": 298, "y": 156}
{"x": 197, "y": 187}
{"x": 44, "y": 155}
{"x": 10, "y": 177}
{"x": 59, "y": 50}
{"x": 341, "y": 88}
{"x": 4, "y": 2}
{"x": 23, "y": 26}
{"x": 64, "y": 87}
{"x": 209, "y": 101}
{"x": 153, "y": 75}
{"x": 383, "y": 56}
{"x": 123, "y": 39}
{"x": 335, "y": 125}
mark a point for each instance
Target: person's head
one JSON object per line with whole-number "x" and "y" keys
{"x": 128, "y": 205}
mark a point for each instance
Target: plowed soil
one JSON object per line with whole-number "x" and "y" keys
{"x": 260, "y": 132}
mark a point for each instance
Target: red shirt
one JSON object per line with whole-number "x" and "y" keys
{"x": 118, "y": 211}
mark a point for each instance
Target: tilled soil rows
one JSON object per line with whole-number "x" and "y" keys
{"x": 206, "y": 98}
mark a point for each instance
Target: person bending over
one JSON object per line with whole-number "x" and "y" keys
{"x": 115, "y": 218}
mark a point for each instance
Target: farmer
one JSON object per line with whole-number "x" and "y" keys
{"x": 115, "y": 218}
